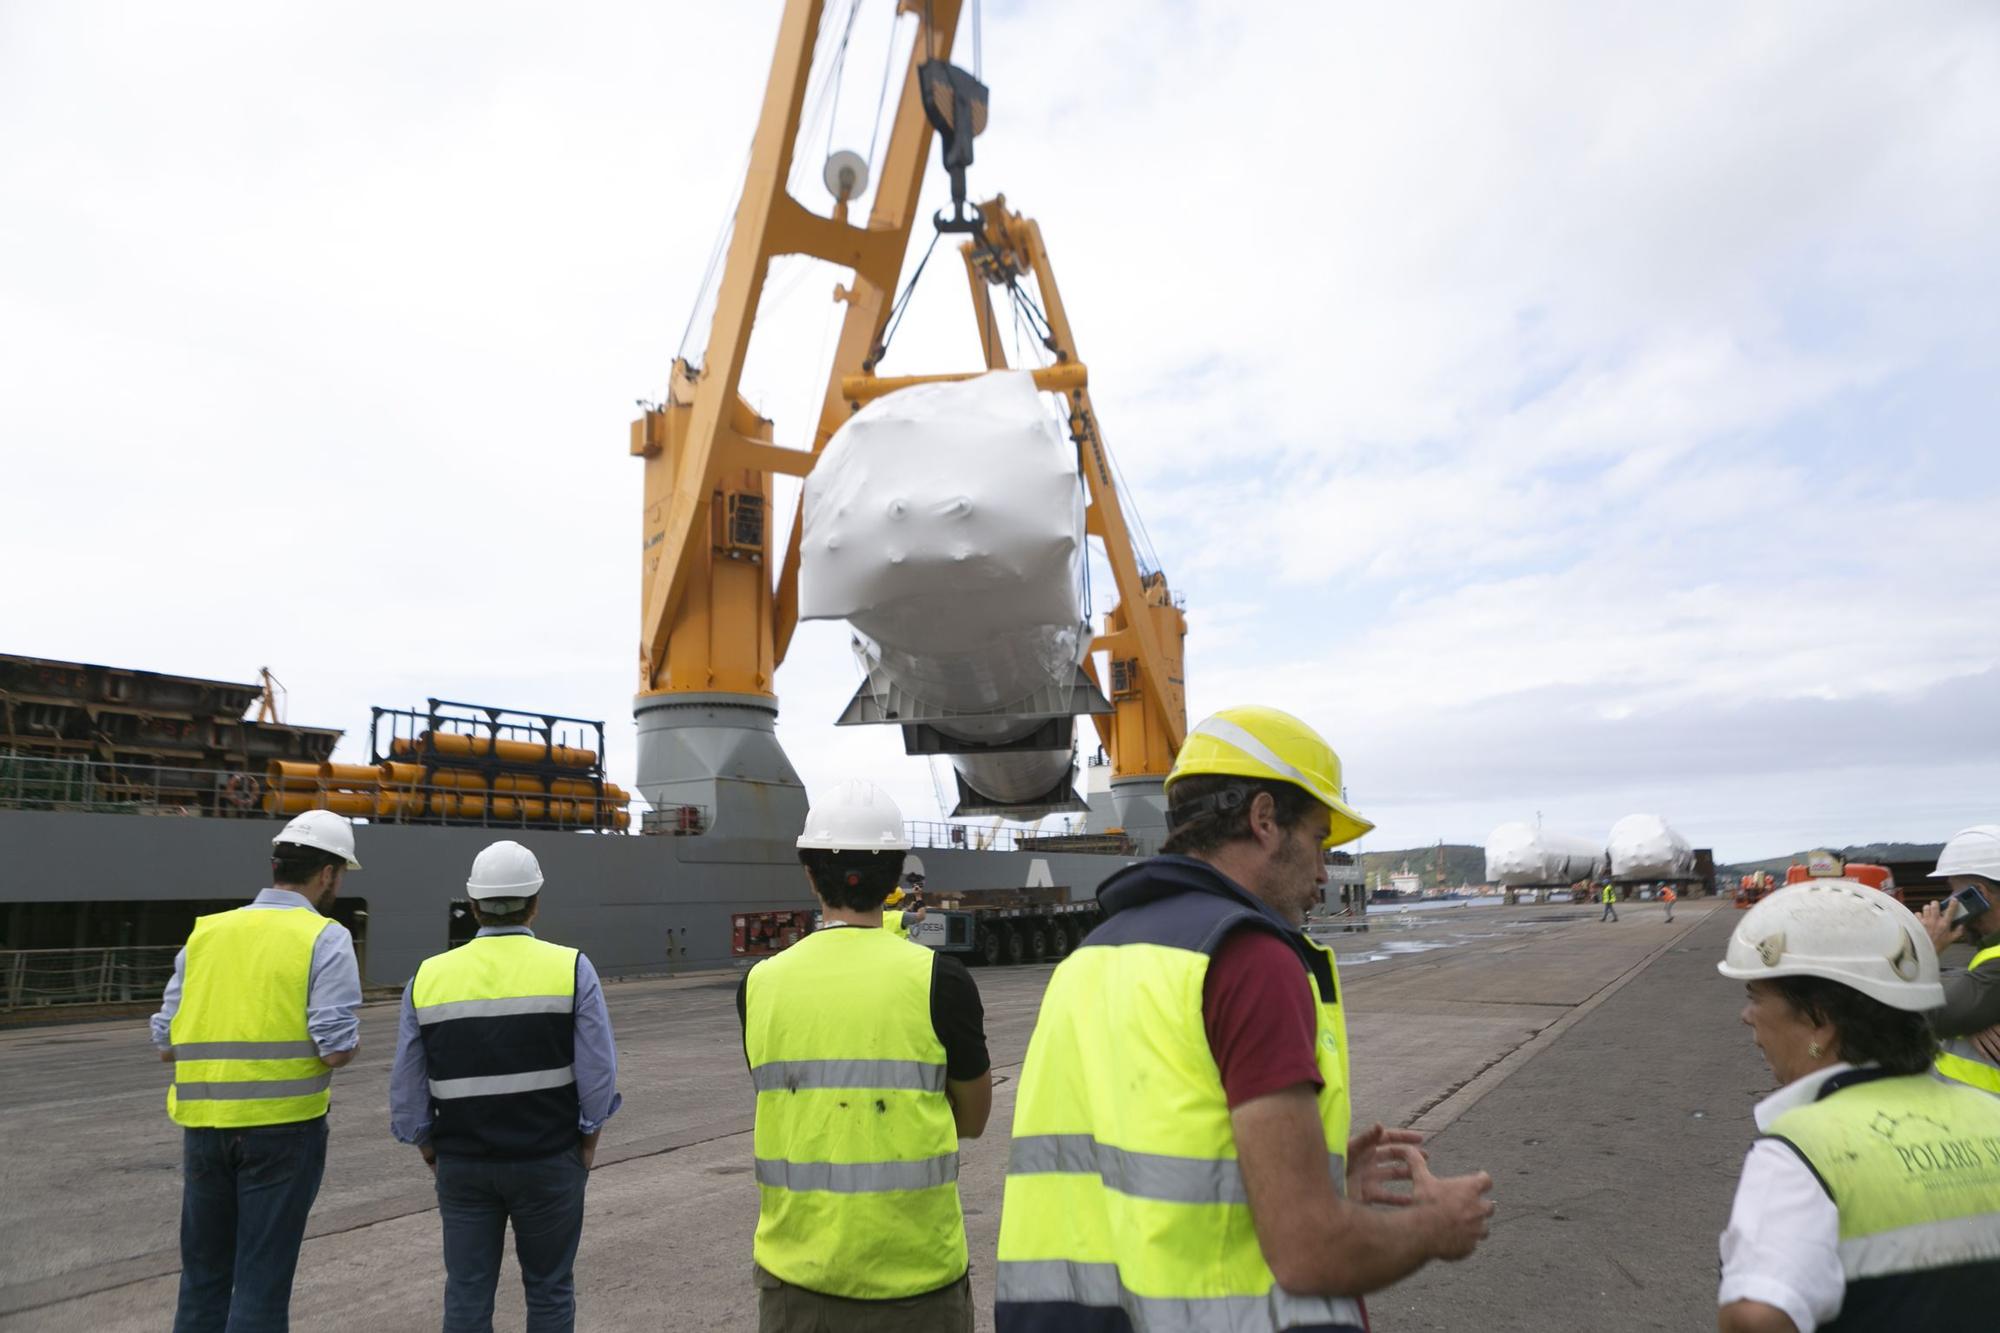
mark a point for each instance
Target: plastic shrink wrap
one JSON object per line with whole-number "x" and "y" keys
{"x": 944, "y": 523}
{"x": 1645, "y": 847}
{"x": 1521, "y": 854}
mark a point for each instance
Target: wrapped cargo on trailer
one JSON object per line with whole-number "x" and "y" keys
{"x": 1522, "y": 855}
{"x": 1646, "y": 847}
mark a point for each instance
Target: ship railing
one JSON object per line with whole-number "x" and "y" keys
{"x": 925, "y": 833}
{"x": 35, "y": 782}
{"x": 45, "y": 978}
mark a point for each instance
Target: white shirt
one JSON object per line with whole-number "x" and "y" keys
{"x": 1782, "y": 1243}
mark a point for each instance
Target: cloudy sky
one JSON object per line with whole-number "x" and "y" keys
{"x": 1570, "y": 408}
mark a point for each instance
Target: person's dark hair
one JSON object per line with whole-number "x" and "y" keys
{"x": 1209, "y": 810}
{"x": 1871, "y": 1033}
{"x": 485, "y": 913}
{"x": 855, "y": 881}
{"x": 294, "y": 863}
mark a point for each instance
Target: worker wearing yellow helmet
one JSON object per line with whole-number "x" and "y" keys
{"x": 1188, "y": 1074}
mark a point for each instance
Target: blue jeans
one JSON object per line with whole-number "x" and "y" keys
{"x": 1610, "y": 913}
{"x": 543, "y": 1196}
{"x": 245, "y": 1194}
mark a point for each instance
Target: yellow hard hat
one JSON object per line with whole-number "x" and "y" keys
{"x": 1277, "y": 747}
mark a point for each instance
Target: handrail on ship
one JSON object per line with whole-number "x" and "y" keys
{"x": 40, "y": 782}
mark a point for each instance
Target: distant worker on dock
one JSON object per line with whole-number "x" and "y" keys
{"x": 1669, "y": 897}
{"x": 868, "y": 1057}
{"x": 1970, "y": 863}
{"x": 1610, "y": 899}
{"x": 905, "y": 906}
{"x": 1191, "y": 1059}
{"x": 1871, "y": 1199}
{"x": 505, "y": 1074}
{"x": 259, "y": 1013}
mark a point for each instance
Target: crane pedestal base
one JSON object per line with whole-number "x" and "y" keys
{"x": 720, "y": 752}
{"x": 1141, "y": 803}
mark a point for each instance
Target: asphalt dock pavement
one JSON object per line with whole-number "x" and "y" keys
{"x": 1614, "y": 1155}
{"x": 1597, "y": 1070}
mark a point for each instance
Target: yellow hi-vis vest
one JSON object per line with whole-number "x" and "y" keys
{"x": 242, "y": 1055}
{"x": 1608, "y": 896}
{"x": 856, "y": 1148}
{"x": 1913, "y": 1164}
{"x": 1123, "y": 1190}
{"x": 1960, "y": 1059}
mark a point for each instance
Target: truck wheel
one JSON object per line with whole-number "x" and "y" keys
{"x": 1037, "y": 932}
{"x": 1073, "y": 933}
{"x": 1012, "y": 947}
{"x": 988, "y": 950}
{"x": 1058, "y": 940}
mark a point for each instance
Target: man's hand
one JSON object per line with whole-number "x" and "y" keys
{"x": 167, "y": 1056}
{"x": 1987, "y": 1043}
{"x": 588, "y": 1145}
{"x": 1459, "y": 1207}
{"x": 1941, "y": 931}
{"x": 1377, "y": 1158}
{"x": 430, "y": 1156}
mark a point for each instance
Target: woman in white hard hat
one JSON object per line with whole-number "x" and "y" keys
{"x": 1871, "y": 1199}
{"x": 1966, "y": 1021}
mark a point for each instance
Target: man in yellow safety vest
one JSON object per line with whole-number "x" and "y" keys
{"x": 868, "y": 1055}
{"x": 258, "y": 1015}
{"x": 1181, "y": 1156}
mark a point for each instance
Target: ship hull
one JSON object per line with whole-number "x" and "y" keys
{"x": 636, "y": 905}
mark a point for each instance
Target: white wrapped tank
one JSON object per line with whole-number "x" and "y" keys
{"x": 1518, "y": 855}
{"x": 944, "y": 523}
{"x": 1646, "y": 847}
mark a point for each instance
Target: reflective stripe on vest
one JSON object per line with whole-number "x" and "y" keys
{"x": 1960, "y": 1059}
{"x": 1913, "y": 1165}
{"x": 498, "y": 1021}
{"x": 856, "y": 1150}
{"x": 242, "y": 1054}
{"x": 1123, "y": 1190}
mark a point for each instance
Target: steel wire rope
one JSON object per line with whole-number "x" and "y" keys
{"x": 902, "y": 304}
{"x": 839, "y": 68}
{"x": 1028, "y": 304}
{"x": 882, "y": 97}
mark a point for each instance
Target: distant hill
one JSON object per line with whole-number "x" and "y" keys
{"x": 1462, "y": 865}
{"x": 1865, "y": 852}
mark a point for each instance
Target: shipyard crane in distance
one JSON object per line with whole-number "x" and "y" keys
{"x": 717, "y": 620}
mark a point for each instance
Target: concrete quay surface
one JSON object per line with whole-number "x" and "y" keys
{"x": 1569, "y": 1058}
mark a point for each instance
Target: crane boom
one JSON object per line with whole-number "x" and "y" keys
{"x": 715, "y": 626}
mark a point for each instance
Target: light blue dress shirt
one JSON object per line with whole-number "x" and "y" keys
{"x": 333, "y": 989}
{"x": 596, "y": 1058}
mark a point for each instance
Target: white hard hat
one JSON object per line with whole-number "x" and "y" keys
{"x": 1843, "y": 931}
{"x": 322, "y": 829}
{"x": 1973, "y": 851}
{"x": 504, "y": 870}
{"x": 855, "y": 816}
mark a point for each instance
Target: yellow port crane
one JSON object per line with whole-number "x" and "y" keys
{"x": 715, "y": 625}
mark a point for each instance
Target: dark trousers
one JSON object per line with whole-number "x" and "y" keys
{"x": 784, "y": 1308}
{"x": 245, "y": 1194}
{"x": 543, "y": 1197}
{"x": 1610, "y": 912}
